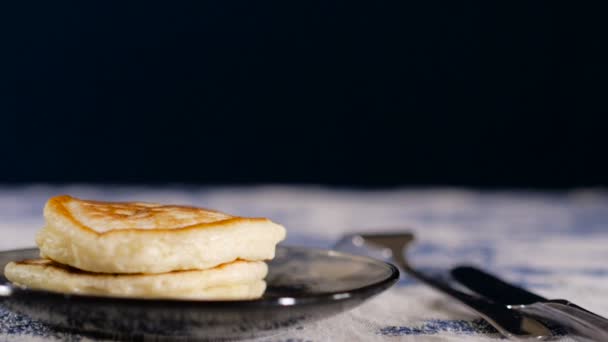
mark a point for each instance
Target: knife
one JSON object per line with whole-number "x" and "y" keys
{"x": 510, "y": 323}
{"x": 577, "y": 320}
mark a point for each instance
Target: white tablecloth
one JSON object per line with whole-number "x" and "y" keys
{"x": 553, "y": 243}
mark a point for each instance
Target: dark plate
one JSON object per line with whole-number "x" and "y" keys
{"x": 304, "y": 285}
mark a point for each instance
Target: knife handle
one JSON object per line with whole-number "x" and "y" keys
{"x": 574, "y": 318}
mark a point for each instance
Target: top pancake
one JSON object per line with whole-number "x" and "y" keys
{"x": 103, "y": 217}
{"x": 137, "y": 237}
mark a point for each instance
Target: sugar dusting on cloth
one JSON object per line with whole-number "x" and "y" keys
{"x": 552, "y": 243}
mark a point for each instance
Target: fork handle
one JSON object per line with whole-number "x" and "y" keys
{"x": 576, "y": 319}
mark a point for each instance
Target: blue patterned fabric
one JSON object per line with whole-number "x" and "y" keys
{"x": 552, "y": 243}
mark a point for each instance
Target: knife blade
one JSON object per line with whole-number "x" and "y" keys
{"x": 578, "y": 320}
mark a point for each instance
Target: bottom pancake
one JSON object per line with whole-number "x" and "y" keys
{"x": 233, "y": 281}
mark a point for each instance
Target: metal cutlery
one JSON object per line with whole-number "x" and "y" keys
{"x": 576, "y": 319}
{"x": 510, "y": 323}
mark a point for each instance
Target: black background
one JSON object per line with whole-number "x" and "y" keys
{"x": 355, "y": 93}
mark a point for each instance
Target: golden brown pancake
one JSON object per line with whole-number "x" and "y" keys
{"x": 137, "y": 237}
{"x": 236, "y": 280}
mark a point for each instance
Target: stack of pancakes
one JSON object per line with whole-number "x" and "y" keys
{"x": 148, "y": 250}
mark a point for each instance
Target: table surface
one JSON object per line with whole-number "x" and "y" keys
{"x": 552, "y": 243}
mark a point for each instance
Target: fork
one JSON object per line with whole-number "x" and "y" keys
{"x": 510, "y": 323}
